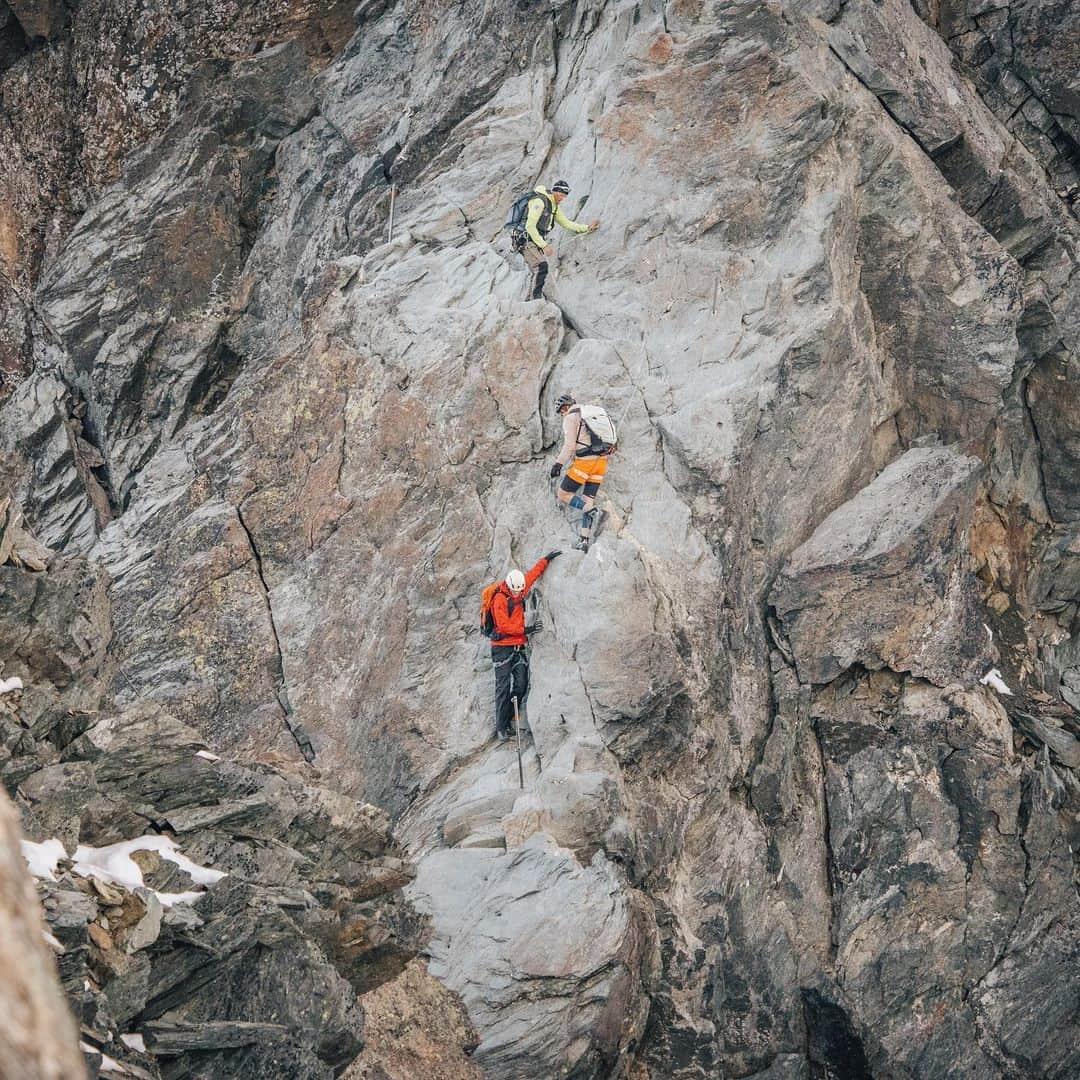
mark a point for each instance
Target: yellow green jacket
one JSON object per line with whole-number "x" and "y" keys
{"x": 543, "y": 205}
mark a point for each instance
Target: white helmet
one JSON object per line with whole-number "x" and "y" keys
{"x": 515, "y": 581}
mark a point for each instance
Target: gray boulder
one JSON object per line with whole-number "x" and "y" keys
{"x": 883, "y": 581}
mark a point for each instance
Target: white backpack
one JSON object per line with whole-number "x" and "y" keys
{"x": 602, "y": 433}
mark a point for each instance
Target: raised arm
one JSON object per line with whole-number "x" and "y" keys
{"x": 535, "y": 572}
{"x": 570, "y": 226}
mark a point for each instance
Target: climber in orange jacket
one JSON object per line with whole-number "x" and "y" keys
{"x": 509, "y": 643}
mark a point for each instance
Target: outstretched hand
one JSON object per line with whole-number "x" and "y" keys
{"x": 548, "y": 250}
{"x": 552, "y": 555}
{"x": 594, "y": 225}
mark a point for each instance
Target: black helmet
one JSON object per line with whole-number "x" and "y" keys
{"x": 561, "y": 186}
{"x": 564, "y": 400}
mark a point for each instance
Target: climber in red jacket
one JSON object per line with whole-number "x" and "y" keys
{"x": 509, "y": 643}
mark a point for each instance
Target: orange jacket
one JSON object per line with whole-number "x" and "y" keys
{"x": 508, "y": 611}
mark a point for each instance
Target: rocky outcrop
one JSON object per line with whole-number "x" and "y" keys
{"x": 209, "y": 917}
{"x": 883, "y": 582}
{"x": 798, "y": 795}
{"x": 1022, "y": 58}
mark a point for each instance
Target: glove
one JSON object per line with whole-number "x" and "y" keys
{"x": 555, "y": 470}
{"x": 552, "y": 555}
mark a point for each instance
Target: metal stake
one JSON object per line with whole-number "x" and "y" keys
{"x": 517, "y": 731}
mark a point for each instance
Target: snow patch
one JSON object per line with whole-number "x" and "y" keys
{"x": 41, "y": 859}
{"x": 114, "y": 865}
{"x": 206, "y": 755}
{"x": 52, "y": 942}
{"x": 134, "y": 1041}
{"x": 108, "y": 1064}
{"x": 7, "y": 686}
{"x": 994, "y": 680}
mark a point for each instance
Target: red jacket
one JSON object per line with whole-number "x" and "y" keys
{"x": 508, "y": 611}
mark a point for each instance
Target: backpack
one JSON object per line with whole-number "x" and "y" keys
{"x": 487, "y": 618}
{"x": 515, "y": 220}
{"x": 603, "y": 437}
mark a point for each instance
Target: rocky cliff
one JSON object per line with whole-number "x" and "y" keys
{"x": 800, "y": 798}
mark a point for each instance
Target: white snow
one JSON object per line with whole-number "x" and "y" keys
{"x": 8, "y": 685}
{"x": 205, "y": 754}
{"x": 135, "y": 1041}
{"x": 108, "y": 1064}
{"x": 41, "y": 859}
{"x": 114, "y": 865}
{"x": 51, "y": 941}
{"x": 994, "y": 680}
{"x": 168, "y": 899}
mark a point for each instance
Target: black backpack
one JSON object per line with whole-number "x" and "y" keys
{"x": 515, "y": 220}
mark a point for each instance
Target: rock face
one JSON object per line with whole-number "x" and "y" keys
{"x": 884, "y": 582}
{"x": 228, "y": 916}
{"x": 799, "y": 793}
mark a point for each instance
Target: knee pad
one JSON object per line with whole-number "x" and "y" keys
{"x": 577, "y": 502}
{"x": 587, "y": 519}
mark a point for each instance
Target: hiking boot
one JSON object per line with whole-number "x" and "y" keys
{"x": 502, "y": 736}
{"x": 582, "y": 545}
{"x": 599, "y": 519}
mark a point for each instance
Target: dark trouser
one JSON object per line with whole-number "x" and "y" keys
{"x": 511, "y": 680}
{"x": 537, "y": 261}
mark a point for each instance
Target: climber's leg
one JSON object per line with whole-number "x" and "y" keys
{"x": 520, "y": 682}
{"x": 502, "y": 657}
{"x": 583, "y": 479}
{"x": 569, "y": 488}
{"x": 537, "y": 262}
{"x": 592, "y": 518}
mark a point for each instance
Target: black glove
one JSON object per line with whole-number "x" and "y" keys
{"x": 552, "y": 555}
{"x": 555, "y": 470}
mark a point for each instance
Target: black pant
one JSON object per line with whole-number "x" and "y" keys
{"x": 538, "y": 281}
{"x": 511, "y": 680}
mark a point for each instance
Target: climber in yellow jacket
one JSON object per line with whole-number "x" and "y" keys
{"x": 532, "y": 218}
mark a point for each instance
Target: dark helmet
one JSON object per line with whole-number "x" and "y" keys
{"x": 561, "y": 186}
{"x": 565, "y": 400}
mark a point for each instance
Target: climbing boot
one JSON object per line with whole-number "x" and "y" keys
{"x": 599, "y": 517}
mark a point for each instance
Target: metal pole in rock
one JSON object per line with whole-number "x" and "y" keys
{"x": 517, "y": 732}
{"x": 390, "y": 231}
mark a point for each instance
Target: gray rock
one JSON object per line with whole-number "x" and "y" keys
{"x": 883, "y": 581}
{"x": 591, "y": 944}
{"x": 169, "y": 1036}
{"x": 144, "y": 930}
{"x": 56, "y": 797}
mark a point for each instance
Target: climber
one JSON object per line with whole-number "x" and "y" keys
{"x": 502, "y": 619}
{"x": 531, "y": 218}
{"x": 589, "y": 437}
